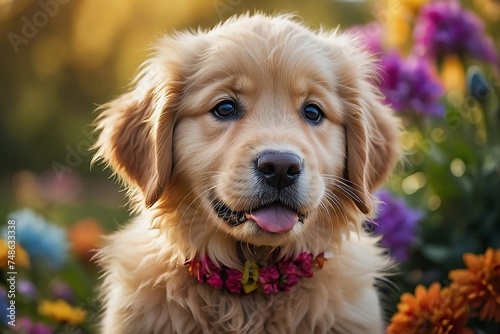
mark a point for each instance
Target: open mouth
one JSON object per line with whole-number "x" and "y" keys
{"x": 275, "y": 217}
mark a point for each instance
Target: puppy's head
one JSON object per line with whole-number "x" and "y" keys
{"x": 258, "y": 130}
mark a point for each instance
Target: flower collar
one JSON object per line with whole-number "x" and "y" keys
{"x": 269, "y": 278}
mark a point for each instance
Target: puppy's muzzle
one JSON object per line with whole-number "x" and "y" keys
{"x": 278, "y": 169}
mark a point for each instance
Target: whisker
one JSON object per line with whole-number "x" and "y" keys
{"x": 346, "y": 187}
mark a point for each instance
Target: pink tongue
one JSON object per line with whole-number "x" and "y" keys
{"x": 274, "y": 218}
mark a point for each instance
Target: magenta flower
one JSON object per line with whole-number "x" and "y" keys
{"x": 268, "y": 278}
{"x": 444, "y": 27}
{"x": 408, "y": 84}
{"x": 29, "y": 327}
{"x": 215, "y": 280}
{"x": 208, "y": 265}
{"x": 304, "y": 263}
{"x": 289, "y": 276}
{"x": 233, "y": 280}
{"x": 396, "y": 223}
{"x": 270, "y": 288}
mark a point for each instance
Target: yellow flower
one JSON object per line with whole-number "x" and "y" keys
{"x": 488, "y": 8}
{"x": 480, "y": 283}
{"x": 453, "y": 74}
{"x": 250, "y": 277}
{"x": 61, "y": 311}
{"x": 432, "y": 311}
{"x": 414, "y": 5}
{"x": 17, "y": 257}
{"x": 398, "y": 31}
{"x": 398, "y": 17}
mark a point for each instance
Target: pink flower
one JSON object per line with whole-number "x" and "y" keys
{"x": 268, "y": 274}
{"x": 304, "y": 264}
{"x": 268, "y": 277}
{"x": 369, "y": 36}
{"x": 270, "y": 288}
{"x": 203, "y": 269}
{"x": 271, "y": 279}
{"x": 215, "y": 280}
{"x": 209, "y": 266}
{"x": 288, "y": 283}
{"x": 233, "y": 280}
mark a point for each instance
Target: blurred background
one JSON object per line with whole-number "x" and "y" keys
{"x": 60, "y": 59}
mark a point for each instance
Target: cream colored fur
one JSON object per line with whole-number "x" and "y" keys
{"x": 171, "y": 152}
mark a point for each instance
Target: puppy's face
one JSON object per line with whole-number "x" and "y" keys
{"x": 258, "y": 129}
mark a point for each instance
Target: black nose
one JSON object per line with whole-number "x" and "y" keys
{"x": 279, "y": 169}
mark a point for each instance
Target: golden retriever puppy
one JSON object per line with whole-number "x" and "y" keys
{"x": 249, "y": 152}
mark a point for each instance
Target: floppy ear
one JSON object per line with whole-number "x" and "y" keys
{"x": 371, "y": 129}
{"x": 372, "y": 134}
{"x": 136, "y": 132}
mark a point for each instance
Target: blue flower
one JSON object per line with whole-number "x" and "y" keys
{"x": 45, "y": 242}
{"x": 444, "y": 27}
{"x": 4, "y": 303}
{"x": 396, "y": 223}
{"x": 408, "y": 84}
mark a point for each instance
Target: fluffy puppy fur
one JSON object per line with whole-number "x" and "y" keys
{"x": 206, "y": 106}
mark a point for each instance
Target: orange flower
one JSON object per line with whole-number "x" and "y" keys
{"x": 432, "y": 311}
{"x": 480, "y": 283}
{"x": 85, "y": 237}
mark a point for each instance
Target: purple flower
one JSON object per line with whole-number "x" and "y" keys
{"x": 233, "y": 280}
{"x": 61, "y": 290}
{"x": 408, "y": 84}
{"x": 27, "y": 289}
{"x": 29, "y": 327}
{"x": 369, "y": 36}
{"x": 396, "y": 222}
{"x": 444, "y": 27}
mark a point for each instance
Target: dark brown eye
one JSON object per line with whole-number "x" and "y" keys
{"x": 312, "y": 113}
{"x": 225, "y": 110}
